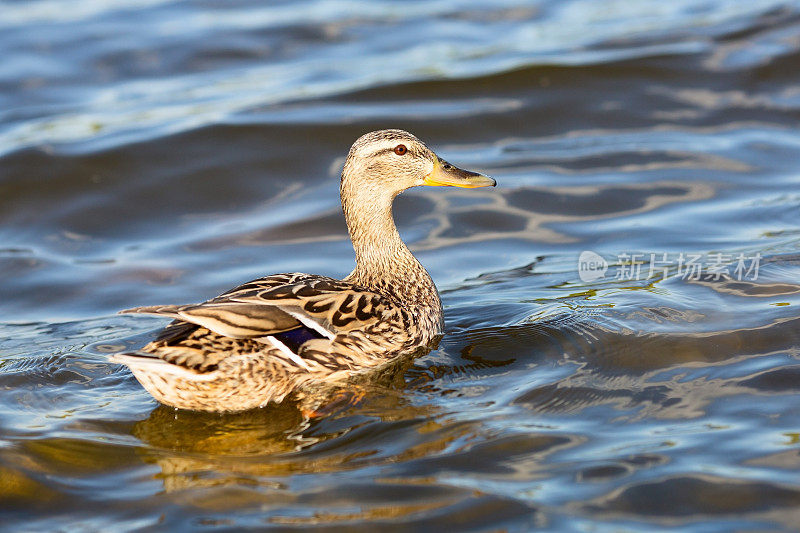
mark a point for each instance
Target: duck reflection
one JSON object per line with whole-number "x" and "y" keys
{"x": 258, "y": 447}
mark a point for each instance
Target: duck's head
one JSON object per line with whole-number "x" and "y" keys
{"x": 387, "y": 162}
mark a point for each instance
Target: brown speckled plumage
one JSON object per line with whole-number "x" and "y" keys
{"x": 286, "y": 333}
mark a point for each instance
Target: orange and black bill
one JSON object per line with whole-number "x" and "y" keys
{"x": 447, "y": 175}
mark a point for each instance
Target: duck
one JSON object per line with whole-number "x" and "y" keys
{"x": 283, "y": 335}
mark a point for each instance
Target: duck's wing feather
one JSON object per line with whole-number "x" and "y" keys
{"x": 317, "y": 301}
{"x": 231, "y": 319}
{"x": 282, "y": 302}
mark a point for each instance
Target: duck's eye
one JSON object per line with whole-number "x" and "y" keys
{"x": 400, "y": 149}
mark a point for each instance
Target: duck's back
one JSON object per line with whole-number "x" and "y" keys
{"x": 266, "y": 338}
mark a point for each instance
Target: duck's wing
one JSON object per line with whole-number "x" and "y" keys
{"x": 282, "y": 302}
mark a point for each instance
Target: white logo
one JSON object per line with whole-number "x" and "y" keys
{"x": 591, "y": 266}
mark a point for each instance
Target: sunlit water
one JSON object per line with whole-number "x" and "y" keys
{"x": 162, "y": 152}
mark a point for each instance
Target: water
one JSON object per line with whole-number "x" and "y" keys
{"x": 163, "y": 151}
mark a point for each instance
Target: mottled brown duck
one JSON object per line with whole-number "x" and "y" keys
{"x": 287, "y": 333}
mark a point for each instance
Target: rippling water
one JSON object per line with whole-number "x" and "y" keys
{"x": 161, "y": 152}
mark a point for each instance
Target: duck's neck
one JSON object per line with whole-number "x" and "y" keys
{"x": 383, "y": 261}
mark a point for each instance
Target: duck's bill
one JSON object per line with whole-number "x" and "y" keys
{"x": 446, "y": 175}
